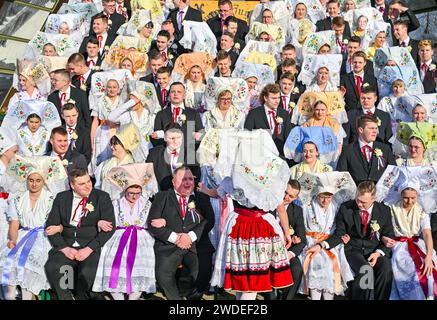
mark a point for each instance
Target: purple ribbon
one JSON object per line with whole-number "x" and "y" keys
{"x": 27, "y": 241}
{"x": 113, "y": 281}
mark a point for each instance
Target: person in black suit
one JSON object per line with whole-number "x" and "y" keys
{"x": 366, "y": 159}
{"x": 173, "y": 44}
{"x": 288, "y": 65}
{"x": 380, "y": 5}
{"x": 270, "y": 117}
{"x": 155, "y": 62}
{"x": 398, "y": 10}
{"x": 427, "y": 66}
{"x": 82, "y": 73}
{"x": 186, "y": 213}
{"x": 60, "y": 147}
{"x": 297, "y": 231}
{"x": 163, "y": 77}
{"x": 78, "y": 245}
{"x": 78, "y": 136}
{"x": 217, "y": 23}
{"x": 176, "y": 112}
{"x": 333, "y": 9}
{"x": 227, "y": 43}
{"x": 354, "y": 45}
{"x": 231, "y": 26}
{"x": 64, "y": 92}
{"x": 224, "y": 64}
{"x": 166, "y": 158}
{"x": 109, "y": 11}
{"x": 365, "y": 221}
{"x": 290, "y": 91}
{"x": 124, "y": 8}
{"x": 162, "y": 45}
{"x": 434, "y": 228}
{"x": 400, "y": 32}
{"x": 354, "y": 82}
{"x": 182, "y": 12}
{"x": 367, "y": 106}
{"x": 100, "y": 32}
{"x": 92, "y": 55}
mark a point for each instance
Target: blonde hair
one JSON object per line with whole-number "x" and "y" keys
{"x": 366, "y": 187}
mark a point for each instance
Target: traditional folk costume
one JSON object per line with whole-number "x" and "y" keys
{"x": 410, "y": 250}
{"x": 127, "y": 261}
{"x": 310, "y": 68}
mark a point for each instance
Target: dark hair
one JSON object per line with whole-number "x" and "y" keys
{"x": 369, "y": 89}
{"x": 164, "y": 33}
{"x": 310, "y": 142}
{"x": 288, "y": 46}
{"x": 222, "y": 55}
{"x": 355, "y": 39}
{"x": 401, "y": 22}
{"x": 364, "y": 119}
{"x": 366, "y": 187}
{"x": 102, "y": 16}
{"x": 181, "y": 168}
{"x": 76, "y": 58}
{"x": 294, "y": 184}
{"x": 58, "y": 130}
{"x": 76, "y": 173}
{"x": 338, "y": 21}
{"x": 63, "y": 72}
{"x": 360, "y": 54}
{"x": 154, "y": 55}
{"x": 177, "y": 83}
{"x": 114, "y": 140}
{"x": 230, "y": 19}
{"x": 162, "y": 70}
{"x": 223, "y": 2}
{"x": 288, "y": 62}
{"x": 230, "y": 35}
{"x": 69, "y": 106}
{"x": 33, "y": 115}
{"x": 333, "y": 1}
{"x": 268, "y": 88}
{"x": 287, "y": 75}
{"x": 93, "y": 41}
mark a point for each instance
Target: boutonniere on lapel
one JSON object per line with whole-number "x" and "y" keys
{"x": 170, "y": 56}
{"x": 295, "y": 90}
{"x": 83, "y": 87}
{"x": 106, "y": 50}
{"x": 236, "y": 48}
{"x": 379, "y": 121}
{"x": 74, "y": 137}
{"x": 409, "y": 48}
{"x": 432, "y": 67}
{"x": 88, "y": 209}
{"x": 65, "y": 162}
{"x": 96, "y": 68}
{"x": 109, "y": 23}
{"x": 375, "y": 230}
{"x": 193, "y": 212}
{"x": 378, "y": 155}
{"x": 290, "y": 230}
{"x": 280, "y": 122}
{"x": 182, "y": 118}
{"x": 291, "y": 106}
{"x": 365, "y": 85}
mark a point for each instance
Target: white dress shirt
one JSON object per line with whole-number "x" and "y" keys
{"x": 368, "y": 152}
{"x": 173, "y": 236}
{"x": 270, "y": 118}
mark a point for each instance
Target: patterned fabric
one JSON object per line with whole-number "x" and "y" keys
{"x": 54, "y": 21}
{"x": 237, "y": 86}
{"x": 186, "y": 61}
{"x": 313, "y": 62}
{"x": 65, "y": 45}
{"x": 198, "y": 37}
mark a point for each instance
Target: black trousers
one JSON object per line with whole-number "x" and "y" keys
{"x": 382, "y": 277}
{"x": 296, "y": 272}
{"x": 166, "y": 267}
{"x": 205, "y": 271}
{"x": 83, "y": 277}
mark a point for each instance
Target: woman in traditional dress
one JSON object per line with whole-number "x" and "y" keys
{"x": 322, "y": 82}
{"x": 195, "y": 89}
{"x": 362, "y": 22}
{"x": 22, "y": 261}
{"x": 326, "y": 272}
{"x": 413, "y": 258}
{"x": 127, "y": 261}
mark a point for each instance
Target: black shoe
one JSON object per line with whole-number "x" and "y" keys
{"x": 195, "y": 295}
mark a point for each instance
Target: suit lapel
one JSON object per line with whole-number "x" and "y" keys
{"x": 176, "y": 203}
{"x": 360, "y": 155}
{"x": 357, "y": 221}
{"x": 354, "y": 86}
{"x": 264, "y": 117}
{"x": 68, "y": 206}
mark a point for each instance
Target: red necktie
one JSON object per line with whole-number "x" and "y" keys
{"x": 82, "y": 80}
{"x": 70, "y": 130}
{"x": 60, "y": 156}
{"x": 183, "y": 205}
{"x": 164, "y": 96}
{"x": 63, "y": 98}
{"x": 91, "y": 62}
{"x": 223, "y": 25}
{"x": 4, "y": 195}
{"x": 339, "y": 43}
{"x": 369, "y": 113}
{"x": 424, "y": 70}
{"x": 364, "y": 219}
{"x": 381, "y": 9}
{"x": 120, "y": 9}
{"x": 181, "y": 15}
{"x": 164, "y": 56}
{"x": 284, "y": 102}
{"x": 100, "y": 38}
{"x": 273, "y": 115}
{"x": 176, "y": 112}
{"x": 359, "y": 83}
{"x": 364, "y": 150}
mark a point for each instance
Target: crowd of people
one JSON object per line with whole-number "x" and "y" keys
{"x": 290, "y": 155}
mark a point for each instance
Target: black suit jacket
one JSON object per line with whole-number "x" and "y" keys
{"x": 99, "y": 58}
{"x": 159, "y": 95}
{"x": 348, "y": 221}
{"x": 191, "y": 15}
{"x": 295, "y": 220}
{"x": 109, "y": 40}
{"x": 257, "y": 119}
{"x": 413, "y": 24}
{"x": 294, "y": 97}
{"x": 165, "y": 117}
{"x": 75, "y": 159}
{"x": 150, "y": 78}
{"x": 215, "y": 25}
{"x": 75, "y": 81}
{"x": 351, "y": 98}
{"x": 161, "y": 166}
{"x": 166, "y": 206}
{"x": 429, "y": 84}
{"x": 82, "y": 144}
{"x": 88, "y": 234}
{"x": 81, "y": 100}
{"x": 352, "y": 160}
{"x": 116, "y": 19}
{"x": 384, "y": 130}
{"x": 325, "y": 24}
{"x": 368, "y": 68}
{"x": 434, "y": 228}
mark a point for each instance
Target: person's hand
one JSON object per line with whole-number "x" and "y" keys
{"x": 314, "y": 250}
{"x": 345, "y": 238}
{"x": 202, "y": 188}
{"x": 84, "y": 253}
{"x": 70, "y": 253}
{"x": 398, "y": 7}
{"x": 154, "y": 135}
{"x": 51, "y": 230}
{"x": 197, "y": 136}
{"x": 296, "y": 240}
{"x": 158, "y": 223}
{"x": 342, "y": 90}
{"x": 11, "y": 244}
{"x": 104, "y": 225}
{"x": 388, "y": 242}
{"x": 373, "y": 258}
{"x": 427, "y": 266}
{"x": 184, "y": 241}
{"x": 287, "y": 239}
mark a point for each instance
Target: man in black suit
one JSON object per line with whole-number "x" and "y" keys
{"x": 101, "y": 33}
{"x": 354, "y": 82}
{"x": 366, "y": 159}
{"x": 82, "y": 73}
{"x": 400, "y": 32}
{"x": 183, "y": 11}
{"x": 162, "y": 45}
{"x": 270, "y": 117}
{"x": 231, "y": 26}
{"x": 92, "y": 55}
{"x": 60, "y": 147}
{"x": 186, "y": 214}
{"x": 77, "y": 248}
{"x": 224, "y": 64}
{"x": 288, "y": 65}
{"x": 297, "y": 232}
{"x": 427, "y": 66}
{"x": 64, "y": 92}
{"x": 166, "y": 158}
{"x": 173, "y": 43}
{"x": 176, "y": 112}
{"x": 290, "y": 91}
{"x": 380, "y": 5}
{"x": 217, "y": 23}
{"x": 398, "y": 10}
{"x": 367, "y": 106}
{"x": 163, "y": 77}
{"x": 155, "y": 62}
{"x": 366, "y": 222}
{"x": 109, "y": 11}
{"x": 78, "y": 136}
{"x": 333, "y": 9}
{"x": 227, "y": 43}
{"x": 354, "y": 45}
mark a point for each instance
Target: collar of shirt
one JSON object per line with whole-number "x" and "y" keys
{"x": 361, "y": 74}
{"x": 76, "y": 196}
{"x": 179, "y": 106}
{"x": 267, "y": 109}
{"x": 67, "y": 93}
{"x": 369, "y": 211}
{"x": 426, "y": 62}
{"x": 94, "y": 59}
{"x": 371, "y": 110}
{"x": 362, "y": 144}
{"x": 178, "y": 196}
{"x": 86, "y": 75}
{"x": 184, "y": 10}
{"x": 54, "y": 154}
{"x": 170, "y": 151}
{"x": 406, "y": 41}
{"x": 73, "y": 127}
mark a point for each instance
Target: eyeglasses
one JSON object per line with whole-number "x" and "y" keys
{"x": 226, "y": 99}
{"x": 133, "y": 194}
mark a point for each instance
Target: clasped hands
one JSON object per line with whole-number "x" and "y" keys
{"x": 317, "y": 248}
{"x": 183, "y": 240}
{"x": 74, "y": 254}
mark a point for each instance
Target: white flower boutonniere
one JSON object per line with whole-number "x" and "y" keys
{"x": 65, "y": 162}
{"x": 295, "y": 90}
{"x": 182, "y": 118}
{"x": 345, "y": 41}
{"x": 290, "y": 230}
{"x": 96, "y": 68}
{"x": 71, "y": 101}
{"x": 365, "y": 85}
{"x": 237, "y": 46}
{"x": 109, "y": 22}
{"x": 291, "y": 105}
{"x": 74, "y": 135}
{"x": 124, "y": 9}
{"x": 432, "y": 67}
{"x": 106, "y": 48}
{"x": 375, "y": 229}
{"x": 409, "y": 48}
{"x": 192, "y": 205}
{"x": 89, "y": 207}
{"x": 381, "y": 161}
{"x": 170, "y": 56}
{"x": 379, "y": 121}
{"x": 83, "y": 87}
{"x": 279, "y": 120}
{"x": 378, "y": 152}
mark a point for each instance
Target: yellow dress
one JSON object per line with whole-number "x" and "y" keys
{"x": 299, "y": 169}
